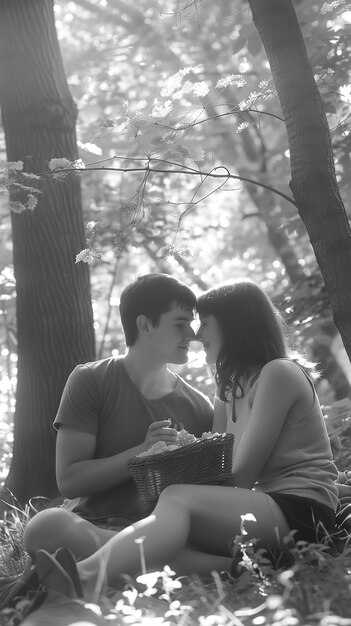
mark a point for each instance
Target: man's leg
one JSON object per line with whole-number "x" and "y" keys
{"x": 58, "y": 528}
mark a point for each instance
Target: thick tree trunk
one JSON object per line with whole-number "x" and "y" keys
{"x": 54, "y": 313}
{"x": 313, "y": 180}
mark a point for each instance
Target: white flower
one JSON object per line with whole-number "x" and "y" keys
{"x": 87, "y": 256}
{"x": 231, "y": 79}
{"x": 185, "y": 252}
{"x": 161, "y": 109}
{"x": 167, "y": 250}
{"x": 330, "y": 6}
{"x": 242, "y": 126}
{"x": 79, "y": 164}
{"x": 31, "y": 202}
{"x": 174, "y": 82}
{"x": 170, "y": 250}
{"x": 253, "y": 97}
{"x": 59, "y": 164}
{"x": 201, "y": 89}
{"x": 17, "y": 207}
{"x": 264, "y": 84}
{"x": 17, "y": 166}
{"x": 91, "y": 225}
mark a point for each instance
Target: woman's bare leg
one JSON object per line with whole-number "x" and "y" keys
{"x": 57, "y": 528}
{"x": 207, "y": 517}
{"x": 190, "y": 561}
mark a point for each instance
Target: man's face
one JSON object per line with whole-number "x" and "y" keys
{"x": 210, "y": 335}
{"x": 170, "y": 339}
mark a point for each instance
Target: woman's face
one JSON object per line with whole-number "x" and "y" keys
{"x": 210, "y": 335}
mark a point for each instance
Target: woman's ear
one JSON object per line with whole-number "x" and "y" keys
{"x": 142, "y": 323}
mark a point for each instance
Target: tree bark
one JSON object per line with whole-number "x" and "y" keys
{"x": 54, "y": 313}
{"x": 313, "y": 181}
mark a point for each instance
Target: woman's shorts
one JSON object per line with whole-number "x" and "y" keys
{"x": 313, "y": 522}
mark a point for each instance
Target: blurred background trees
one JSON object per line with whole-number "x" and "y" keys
{"x": 193, "y": 88}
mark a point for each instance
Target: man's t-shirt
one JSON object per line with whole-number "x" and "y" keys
{"x": 100, "y": 398}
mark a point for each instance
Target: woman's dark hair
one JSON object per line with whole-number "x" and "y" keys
{"x": 152, "y": 295}
{"x": 253, "y": 331}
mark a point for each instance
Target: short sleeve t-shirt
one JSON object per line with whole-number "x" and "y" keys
{"x": 100, "y": 398}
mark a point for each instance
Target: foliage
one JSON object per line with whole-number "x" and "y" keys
{"x": 157, "y": 91}
{"x": 188, "y": 91}
{"x": 313, "y": 587}
{"x": 338, "y": 421}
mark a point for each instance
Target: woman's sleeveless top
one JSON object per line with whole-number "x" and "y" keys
{"x": 301, "y": 462}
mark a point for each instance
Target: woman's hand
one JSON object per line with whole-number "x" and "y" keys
{"x": 160, "y": 431}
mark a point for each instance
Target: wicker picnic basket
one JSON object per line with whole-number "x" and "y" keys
{"x": 206, "y": 461}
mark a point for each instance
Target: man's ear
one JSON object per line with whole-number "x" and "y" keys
{"x": 143, "y": 324}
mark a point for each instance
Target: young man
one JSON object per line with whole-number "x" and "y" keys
{"x": 113, "y": 409}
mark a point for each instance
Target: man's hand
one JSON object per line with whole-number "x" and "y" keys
{"x": 160, "y": 431}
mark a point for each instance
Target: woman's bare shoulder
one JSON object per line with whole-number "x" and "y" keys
{"x": 283, "y": 371}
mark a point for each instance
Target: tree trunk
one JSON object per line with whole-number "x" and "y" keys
{"x": 263, "y": 199}
{"x": 54, "y": 313}
{"x": 313, "y": 181}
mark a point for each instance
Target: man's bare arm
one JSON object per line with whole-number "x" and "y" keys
{"x": 79, "y": 474}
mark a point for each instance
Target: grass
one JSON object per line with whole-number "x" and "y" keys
{"x": 315, "y": 589}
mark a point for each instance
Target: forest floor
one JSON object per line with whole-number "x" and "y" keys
{"x": 316, "y": 589}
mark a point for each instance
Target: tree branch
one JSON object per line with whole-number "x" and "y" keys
{"x": 182, "y": 169}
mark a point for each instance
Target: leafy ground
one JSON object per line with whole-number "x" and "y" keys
{"x": 314, "y": 589}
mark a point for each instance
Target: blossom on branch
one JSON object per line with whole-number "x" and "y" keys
{"x": 60, "y": 164}
{"x": 185, "y": 252}
{"x": 231, "y": 79}
{"x": 328, "y": 7}
{"x": 16, "y": 207}
{"x": 16, "y": 166}
{"x": 32, "y": 202}
{"x": 161, "y": 109}
{"x": 87, "y": 256}
{"x": 61, "y": 167}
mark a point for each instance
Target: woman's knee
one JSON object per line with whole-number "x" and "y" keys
{"x": 173, "y": 492}
{"x": 45, "y": 530}
{"x": 183, "y": 496}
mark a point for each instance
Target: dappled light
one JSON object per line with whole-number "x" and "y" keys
{"x": 201, "y": 140}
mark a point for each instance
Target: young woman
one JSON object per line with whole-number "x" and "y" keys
{"x": 283, "y": 476}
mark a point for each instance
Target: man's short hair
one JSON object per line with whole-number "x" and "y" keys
{"x": 152, "y": 295}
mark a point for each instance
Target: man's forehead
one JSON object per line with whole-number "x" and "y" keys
{"x": 180, "y": 313}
